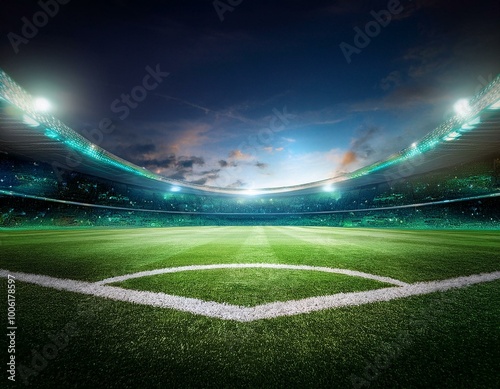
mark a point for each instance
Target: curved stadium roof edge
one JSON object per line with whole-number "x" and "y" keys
{"x": 38, "y": 135}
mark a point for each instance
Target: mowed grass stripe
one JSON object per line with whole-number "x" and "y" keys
{"x": 438, "y": 340}
{"x": 410, "y": 256}
{"x": 406, "y": 255}
{"x": 94, "y": 256}
{"x": 222, "y": 248}
{"x": 450, "y": 339}
{"x": 256, "y": 247}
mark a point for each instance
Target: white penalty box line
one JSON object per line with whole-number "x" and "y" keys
{"x": 247, "y": 314}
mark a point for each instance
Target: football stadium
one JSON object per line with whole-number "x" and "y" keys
{"x": 385, "y": 277}
{"x": 245, "y": 194}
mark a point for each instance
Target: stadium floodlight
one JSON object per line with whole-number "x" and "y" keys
{"x": 41, "y": 104}
{"x": 414, "y": 144}
{"x": 462, "y": 107}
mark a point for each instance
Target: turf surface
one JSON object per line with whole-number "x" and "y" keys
{"x": 249, "y": 287}
{"x": 441, "y": 340}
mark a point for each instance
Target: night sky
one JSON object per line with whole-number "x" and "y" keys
{"x": 252, "y": 93}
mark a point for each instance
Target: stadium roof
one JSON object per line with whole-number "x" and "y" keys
{"x": 29, "y": 132}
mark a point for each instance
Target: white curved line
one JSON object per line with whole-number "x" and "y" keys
{"x": 243, "y": 314}
{"x": 354, "y": 273}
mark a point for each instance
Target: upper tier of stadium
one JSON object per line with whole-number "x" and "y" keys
{"x": 28, "y": 132}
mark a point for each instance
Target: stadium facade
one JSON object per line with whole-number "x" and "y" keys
{"x": 50, "y": 175}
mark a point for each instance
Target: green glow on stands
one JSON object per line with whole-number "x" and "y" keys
{"x": 51, "y": 134}
{"x": 488, "y": 98}
{"x": 465, "y": 120}
{"x": 53, "y": 128}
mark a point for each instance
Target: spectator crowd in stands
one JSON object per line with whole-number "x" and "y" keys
{"x": 353, "y": 207}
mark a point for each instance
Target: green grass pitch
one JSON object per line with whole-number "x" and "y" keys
{"x": 65, "y": 339}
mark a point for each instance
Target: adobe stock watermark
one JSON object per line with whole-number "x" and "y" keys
{"x": 121, "y": 106}
{"x": 11, "y": 327}
{"x": 389, "y": 352}
{"x": 371, "y": 30}
{"x": 278, "y": 122}
{"x": 265, "y": 136}
{"x": 221, "y": 7}
{"x": 408, "y": 167}
{"x": 483, "y": 83}
{"x": 41, "y": 356}
{"x": 31, "y": 27}
{"x": 58, "y": 342}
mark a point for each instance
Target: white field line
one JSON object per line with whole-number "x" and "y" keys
{"x": 289, "y": 308}
{"x": 243, "y": 314}
{"x": 161, "y": 300}
{"x": 354, "y": 273}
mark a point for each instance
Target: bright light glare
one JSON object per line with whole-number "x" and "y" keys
{"x": 30, "y": 121}
{"x": 175, "y": 189}
{"x": 452, "y": 136}
{"x": 470, "y": 125}
{"x": 328, "y": 188}
{"x": 250, "y": 192}
{"x": 414, "y": 144}
{"x": 462, "y": 107}
{"x": 41, "y": 104}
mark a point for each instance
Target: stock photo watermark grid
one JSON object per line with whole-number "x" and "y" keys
{"x": 389, "y": 351}
{"x": 26, "y": 368}
{"x": 11, "y": 327}
{"x": 49, "y": 349}
{"x": 121, "y": 106}
{"x": 364, "y": 36}
{"x": 31, "y": 26}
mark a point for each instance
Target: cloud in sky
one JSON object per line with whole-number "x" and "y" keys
{"x": 224, "y": 163}
{"x": 237, "y": 184}
{"x": 348, "y": 158}
{"x": 205, "y": 124}
{"x": 171, "y": 166}
{"x": 392, "y": 80}
{"x": 362, "y": 150}
{"x": 240, "y": 155}
{"x": 271, "y": 149}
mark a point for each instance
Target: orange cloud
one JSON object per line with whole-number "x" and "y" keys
{"x": 238, "y": 154}
{"x": 348, "y": 158}
{"x": 192, "y": 135}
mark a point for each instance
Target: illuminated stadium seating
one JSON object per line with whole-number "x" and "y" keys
{"x": 439, "y": 182}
